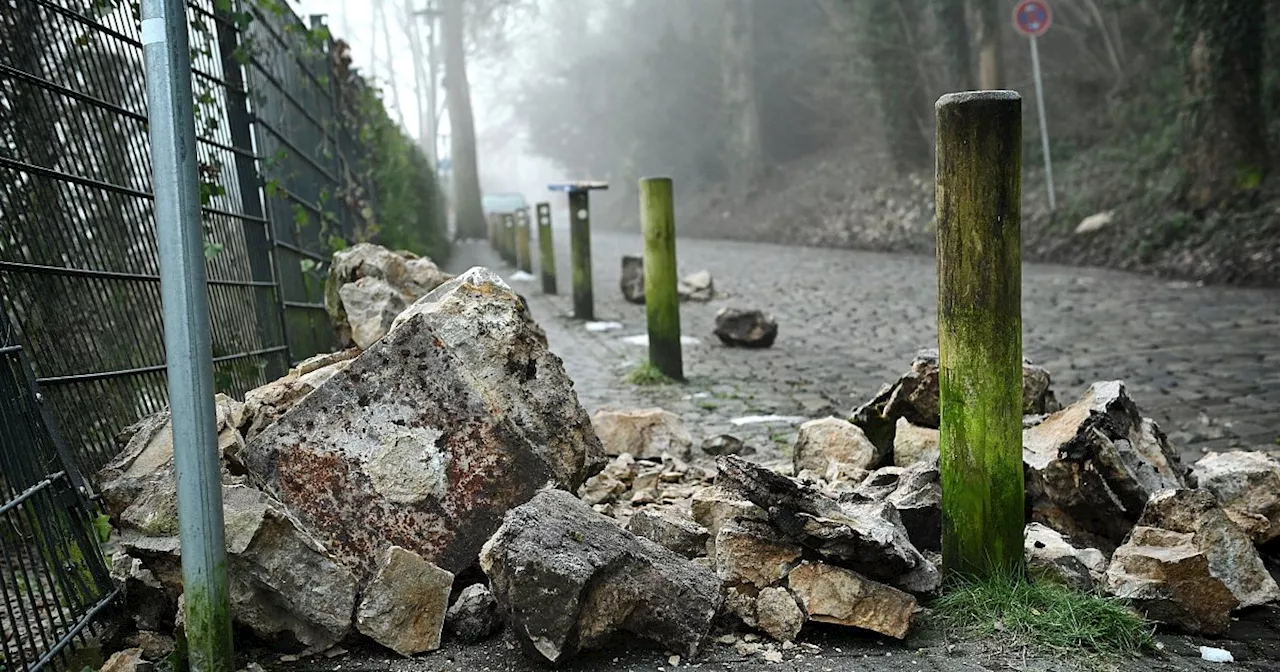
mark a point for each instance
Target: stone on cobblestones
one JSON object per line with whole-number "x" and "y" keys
{"x": 754, "y": 553}
{"x": 671, "y": 530}
{"x": 426, "y": 438}
{"x": 912, "y": 444}
{"x": 778, "y": 614}
{"x": 865, "y": 536}
{"x": 368, "y": 285}
{"x": 1187, "y": 564}
{"x": 632, "y": 283}
{"x": 1092, "y": 466}
{"x": 404, "y": 605}
{"x": 745, "y": 328}
{"x": 696, "y": 287}
{"x": 915, "y": 397}
{"x": 644, "y": 433}
{"x": 832, "y": 444}
{"x": 568, "y": 579}
{"x": 1049, "y": 554}
{"x": 916, "y": 493}
{"x": 723, "y": 444}
{"x": 844, "y": 597}
{"x": 474, "y": 615}
{"x": 1247, "y": 484}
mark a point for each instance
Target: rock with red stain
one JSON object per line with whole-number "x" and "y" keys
{"x": 427, "y": 438}
{"x": 569, "y": 579}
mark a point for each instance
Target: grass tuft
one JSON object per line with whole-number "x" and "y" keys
{"x": 645, "y": 373}
{"x": 1044, "y": 614}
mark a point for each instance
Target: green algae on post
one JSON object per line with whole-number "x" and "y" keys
{"x": 661, "y": 298}
{"x": 546, "y": 249}
{"x": 580, "y": 255}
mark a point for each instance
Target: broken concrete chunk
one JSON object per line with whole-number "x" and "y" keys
{"x": 867, "y": 536}
{"x": 569, "y": 578}
{"x": 429, "y": 436}
{"x": 1247, "y": 485}
{"x": 1050, "y": 555}
{"x": 1092, "y": 466}
{"x": 844, "y": 597}
{"x": 404, "y": 604}
{"x": 825, "y": 442}
{"x": 912, "y": 444}
{"x": 474, "y": 615}
{"x": 752, "y": 552}
{"x": 644, "y": 433}
{"x": 671, "y": 530}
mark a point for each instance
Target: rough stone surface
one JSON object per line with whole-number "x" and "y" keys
{"x": 128, "y": 660}
{"x": 866, "y": 536}
{"x": 1049, "y": 554}
{"x": 671, "y": 530}
{"x": 429, "y": 436}
{"x": 1092, "y": 466}
{"x": 723, "y": 444}
{"x": 778, "y": 614}
{"x": 752, "y": 552}
{"x": 830, "y": 445}
{"x": 916, "y": 494}
{"x": 915, "y": 397}
{"x": 404, "y": 605}
{"x": 745, "y": 328}
{"x": 1187, "y": 564}
{"x": 369, "y": 284}
{"x": 696, "y": 287}
{"x": 912, "y": 444}
{"x": 474, "y": 615}
{"x": 714, "y": 507}
{"x": 632, "y": 282}
{"x": 644, "y": 433}
{"x": 569, "y": 578}
{"x": 264, "y": 405}
{"x": 844, "y": 597}
{"x": 1247, "y": 484}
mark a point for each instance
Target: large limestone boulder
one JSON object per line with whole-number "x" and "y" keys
{"x": 404, "y": 605}
{"x": 1186, "y": 563}
{"x": 643, "y": 432}
{"x": 568, "y": 579}
{"x": 1247, "y": 484}
{"x": 830, "y": 446}
{"x": 1091, "y": 467}
{"x": 862, "y": 535}
{"x": 844, "y": 597}
{"x": 425, "y": 440}
{"x": 368, "y": 285}
{"x": 915, "y": 397}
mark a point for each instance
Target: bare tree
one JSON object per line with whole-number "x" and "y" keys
{"x": 466, "y": 177}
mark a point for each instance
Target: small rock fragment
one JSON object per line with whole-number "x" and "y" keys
{"x": 844, "y": 597}
{"x": 632, "y": 282}
{"x": 745, "y": 328}
{"x": 1050, "y": 555}
{"x": 696, "y": 287}
{"x": 724, "y": 444}
{"x": 671, "y": 530}
{"x": 404, "y": 604}
{"x": 128, "y": 660}
{"x": 644, "y": 433}
{"x": 713, "y": 507}
{"x": 912, "y": 444}
{"x": 778, "y": 614}
{"x": 754, "y": 553}
{"x": 1247, "y": 484}
{"x": 1216, "y": 655}
{"x": 474, "y": 615}
{"x": 825, "y": 442}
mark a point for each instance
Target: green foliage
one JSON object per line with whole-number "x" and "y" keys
{"x": 1042, "y": 613}
{"x": 645, "y": 373}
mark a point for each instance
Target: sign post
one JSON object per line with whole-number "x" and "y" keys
{"x": 1032, "y": 18}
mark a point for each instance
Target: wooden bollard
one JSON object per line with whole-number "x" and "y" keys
{"x": 523, "y": 259}
{"x": 979, "y": 198}
{"x": 493, "y": 233}
{"x": 546, "y": 249}
{"x": 661, "y": 300}
{"x": 580, "y": 244}
{"x": 509, "y": 239}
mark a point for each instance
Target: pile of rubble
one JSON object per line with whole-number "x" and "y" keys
{"x": 364, "y": 489}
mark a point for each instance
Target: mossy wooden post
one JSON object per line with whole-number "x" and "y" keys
{"x": 661, "y": 300}
{"x": 493, "y": 232}
{"x": 524, "y": 261}
{"x": 546, "y": 249}
{"x": 580, "y": 244}
{"x": 979, "y": 197}
{"x": 509, "y": 239}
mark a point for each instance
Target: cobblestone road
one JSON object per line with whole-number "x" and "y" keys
{"x": 1203, "y": 361}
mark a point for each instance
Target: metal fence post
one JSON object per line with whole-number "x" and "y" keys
{"x": 188, "y": 343}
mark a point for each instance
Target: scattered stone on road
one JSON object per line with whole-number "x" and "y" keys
{"x": 1247, "y": 484}
{"x": 632, "y": 283}
{"x": 745, "y": 328}
{"x": 568, "y": 579}
{"x": 696, "y": 287}
{"x": 723, "y": 444}
{"x": 915, "y": 492}
{"x": 643, "y": 433}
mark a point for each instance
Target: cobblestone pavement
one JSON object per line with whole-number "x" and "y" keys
{"x": 1203, "y": 361}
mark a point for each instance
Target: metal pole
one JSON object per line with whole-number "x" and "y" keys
{"x": 1044, "y": 128}
{"x": 188, "y": 345}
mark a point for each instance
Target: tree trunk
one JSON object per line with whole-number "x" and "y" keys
{"x": 468, "y": 211}
{"x": 1220, "y": 45}
{"x": 954, "y": 34}
{"x": 990, "y": 65}
{"x": 744, "y": 151}
{"x": 889, "y": 41}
